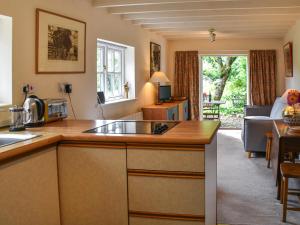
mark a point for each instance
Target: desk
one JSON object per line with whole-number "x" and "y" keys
{"x": 283, "y": 142}
{"x": 211, "y": 110}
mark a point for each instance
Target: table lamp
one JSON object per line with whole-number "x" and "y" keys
{"x": 157, "y": 78}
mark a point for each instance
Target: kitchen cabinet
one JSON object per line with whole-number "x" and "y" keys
{"x": 29, "y": 189}
{"x": 177, "y": 110}
{"x": 168, "y": 184}
{"x": 93, "y": 184}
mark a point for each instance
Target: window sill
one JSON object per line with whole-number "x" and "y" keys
{"x": 4, "y": 107}
{"x": 123, "y": 100}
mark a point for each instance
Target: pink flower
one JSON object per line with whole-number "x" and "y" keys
{"x": 293, "y": 97}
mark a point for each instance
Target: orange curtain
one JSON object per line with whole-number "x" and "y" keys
{"x": 263, "y": 70}
{"x": 186, "y": 81}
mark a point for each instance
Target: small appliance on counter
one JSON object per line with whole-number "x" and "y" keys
{"x": 17, "y": 118}
{"x": 55, "y": 109}
{"x": 34, "y": 111}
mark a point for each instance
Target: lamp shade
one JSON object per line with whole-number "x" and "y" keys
{"x": 159, "y": 77}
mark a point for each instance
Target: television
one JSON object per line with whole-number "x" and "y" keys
{"x": 165, "y": 93}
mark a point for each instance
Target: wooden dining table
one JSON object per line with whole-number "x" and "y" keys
{"x": 284, "y": 141}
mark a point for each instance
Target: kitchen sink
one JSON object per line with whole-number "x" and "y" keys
{"x": 9, "y": 139}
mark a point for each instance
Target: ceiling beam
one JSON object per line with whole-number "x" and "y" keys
{"x": 209, "y": 13}
{"x": 225, "y": 36}
{"x": 206, "y": 6}
{"x": 224, "y": 29}
{"x": 267, "y": 24}
{"x": 120, "y": 3}
{"x": 218, "y": 19}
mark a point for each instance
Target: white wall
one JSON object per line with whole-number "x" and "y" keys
{"x": 228, "y": 46}
{"x": 294, "y": 36}
{"x": 100, "y": 24}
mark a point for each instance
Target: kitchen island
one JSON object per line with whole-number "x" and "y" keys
{"x": 67, "y": 177}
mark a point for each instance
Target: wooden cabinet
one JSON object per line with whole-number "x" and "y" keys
{"x": 29, "y": 189}
{"x": 177, "y": 110}
{"x": 93, "y": 184}
{"x": 167, "y": 185}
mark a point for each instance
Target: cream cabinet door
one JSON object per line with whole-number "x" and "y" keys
{"x": 29, "y": 190}
{"x": 93, "y": 185}
{"x": 165, "y": 195}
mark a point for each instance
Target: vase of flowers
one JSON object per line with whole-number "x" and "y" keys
{"x": 291, "y": 114}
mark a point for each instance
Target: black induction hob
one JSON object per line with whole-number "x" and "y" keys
{"x": 134, "y": 127}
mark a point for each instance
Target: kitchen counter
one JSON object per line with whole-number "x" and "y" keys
{"x": 117, "y": 179}
{"x": 186, "y": 133}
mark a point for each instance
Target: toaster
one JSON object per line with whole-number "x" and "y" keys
{"x": 55, "y": 109}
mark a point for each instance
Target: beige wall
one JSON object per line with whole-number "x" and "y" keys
{"x": 227, "y": 46}
{"x": 294, "y": 36}
{"x": 100, "y": 24}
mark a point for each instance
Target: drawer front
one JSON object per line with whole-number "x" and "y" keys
{"x": 157, "y": 221}
{"x": 168, "y": 160}
{"x": 166, "y": 195}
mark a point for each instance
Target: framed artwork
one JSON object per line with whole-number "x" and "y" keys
{"x": 60, "y": 44}
{"x": 288, "y": 59}
{"x": 155, "y": 55}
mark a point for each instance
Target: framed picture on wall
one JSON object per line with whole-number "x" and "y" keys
{"x": 155, "y": 55}
{"x": 288, "y": 59}
{"x": 60, "y": 43}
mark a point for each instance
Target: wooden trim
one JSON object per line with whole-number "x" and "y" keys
{"x": 38, "y": 10}
{"x": 170, "y": 216}
{"x": 168, "y": 174}
{"x": 171, "y": 147}
{"x": 92, "y": 144}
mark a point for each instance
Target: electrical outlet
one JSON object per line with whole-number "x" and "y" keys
{"x": 28, "y": 89}
{"x": 65, "y": 87}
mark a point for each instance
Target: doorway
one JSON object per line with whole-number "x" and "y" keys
{"x": 224, "y": 89}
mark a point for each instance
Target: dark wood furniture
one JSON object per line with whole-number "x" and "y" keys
{"x": 288, "y": 170}
{"x": 283, "y": 143}
{"x": 269, "y": 137}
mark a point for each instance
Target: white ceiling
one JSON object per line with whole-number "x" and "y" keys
{"x": 193, "y": 18}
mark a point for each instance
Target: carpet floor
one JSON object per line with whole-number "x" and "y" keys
{"x": 246, "y": 188}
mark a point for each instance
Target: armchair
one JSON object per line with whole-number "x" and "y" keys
{"x": 258, "y": 120}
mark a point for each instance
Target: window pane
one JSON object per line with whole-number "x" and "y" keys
{"x": 109, "y": 85}
{"x": 100, "y": 82}
{"x": 100, "y": 53}
{"x": 118, "y": 61}
{"x": 117, "y": 84}
{"x": 110, "y": 60}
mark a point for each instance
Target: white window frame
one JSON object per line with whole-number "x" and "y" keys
{"x": 109, "y": 46}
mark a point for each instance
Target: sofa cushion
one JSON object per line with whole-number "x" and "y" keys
{"x": 258, "y": 118}
{"x": 277, "y": 108}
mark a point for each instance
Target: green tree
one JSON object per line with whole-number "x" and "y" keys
{"x": 219, "y": 72}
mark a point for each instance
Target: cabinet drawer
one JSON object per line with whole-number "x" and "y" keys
{"x": 157, "y": 221}
{"x": 167, "y": 195}
{"x": 168, "y": 160}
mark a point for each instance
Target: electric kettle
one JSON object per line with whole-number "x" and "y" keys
{"x": 34, "y": 111}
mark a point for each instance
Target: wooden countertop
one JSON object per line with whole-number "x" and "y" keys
{"x": 185, "y": 133}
